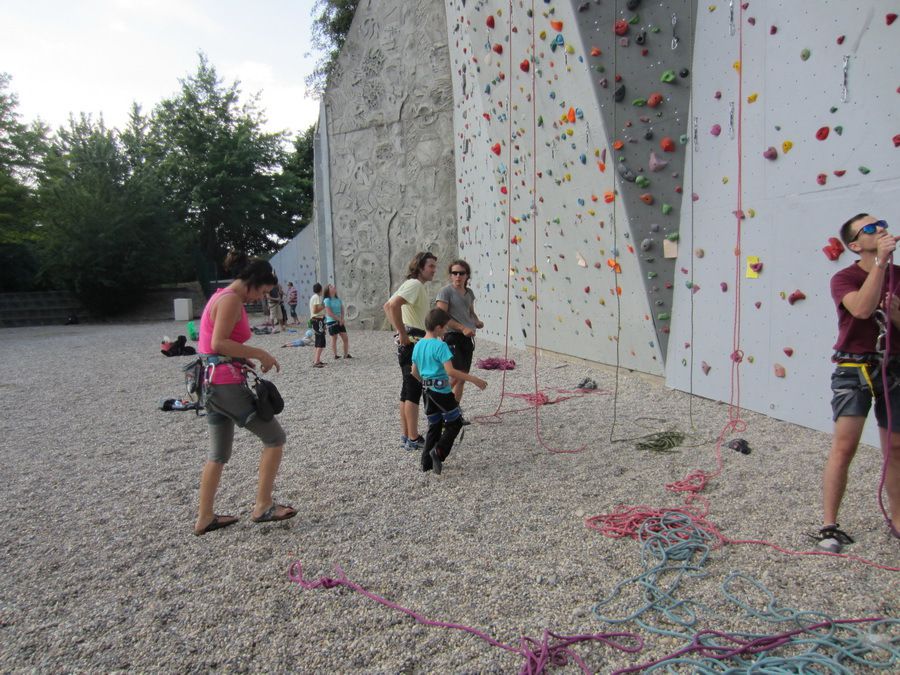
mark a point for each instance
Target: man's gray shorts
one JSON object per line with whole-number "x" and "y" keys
{"x": 852, "y": 393}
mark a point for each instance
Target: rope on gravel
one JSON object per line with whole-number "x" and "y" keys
{"x": 552, "y": 649}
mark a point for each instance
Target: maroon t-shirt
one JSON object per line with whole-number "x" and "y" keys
{"x": 858, "y": 336}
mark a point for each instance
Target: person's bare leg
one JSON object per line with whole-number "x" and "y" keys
{"x": 334, "y": 345}
{"x": 411, "y": 415}
{"x": 209, "y": 484}
{"x": 268, "y": 469}
{"x": 847, "y": 432}
{"x": 404, "y": 429}
{"x": 457, "y": 387}
{"x": 892, "y": 477}
{"x": 346, "y": 341}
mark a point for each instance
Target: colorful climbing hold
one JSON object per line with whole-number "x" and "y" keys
{"x": 654, "y": 99}
{"x": 771, "y": 153}
{"x": 786, "y": 146}
{"x": 864, "y": 170}
{"x": 495, "y": 148}
{"x": 821, "y": 179}
{"x": 524, "y": 65}
{"x": 822, "y": 133}
{"x": 796, "y": 296}
{"x": 716, "y": 129}
{"x": 667, "y": 144}
{"x": 805, "y": 54}
{"x": 490, "y": 21}
{"x": 621, "y": 27}
{"x": 498, "y": 48}
{"x": 779, "y": 370}
{"x": 789, "y": 351}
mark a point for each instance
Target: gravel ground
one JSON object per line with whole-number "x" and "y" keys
{"x": 101, "y": 571}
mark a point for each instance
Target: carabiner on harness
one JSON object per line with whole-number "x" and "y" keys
{"x": 881, "y": 319}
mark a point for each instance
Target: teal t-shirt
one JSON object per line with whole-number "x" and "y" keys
{"x": 334, "y": 304}
{"x": 429, "y": 355}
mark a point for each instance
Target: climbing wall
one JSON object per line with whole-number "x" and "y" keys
{"x": 391, "y": 172}
{"x": 795, "y": 115}
{"x": 296, "y": 262}
{"x": 571, "y": 136}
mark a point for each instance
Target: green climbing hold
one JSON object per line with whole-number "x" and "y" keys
{"x": 673, "y": 236}
{"x": 651, "y": 275}
{"x": 839, "y": 130}
{"x": 864, "y": 170}
{"x": 639, "y": 102}
{"x": 683, "y": 139}
{"x": 666, "y": 209}
{"x": 834, "y": 109}
{"x": 663, "y": 316}
{"x": 540, "y": 120}
{"x": 655, "y": 29}
{"x": 635, "y": 20}
{"x": 642, "y": 181}
{"x": 805, "y": 54}
{"x": 689, "y": 284}
{"x": 668, "y": 76}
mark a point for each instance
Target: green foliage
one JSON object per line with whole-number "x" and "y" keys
{"x": 107, "y": 234}
{"x": 20, "y": 149}
{"x": 329, "y": 30}
{"x": 299, "y": 177}
{"x": 220, "y": 170}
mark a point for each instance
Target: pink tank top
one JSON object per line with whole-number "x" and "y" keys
{"x": 224, "y": 373}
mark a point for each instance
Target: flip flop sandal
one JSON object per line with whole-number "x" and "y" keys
{"x": 269, "y": 514}
{"x": 216, "y": 524}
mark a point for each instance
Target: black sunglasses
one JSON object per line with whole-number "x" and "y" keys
{"x": 457, "y": 273}
{"x": 870, "y": 228}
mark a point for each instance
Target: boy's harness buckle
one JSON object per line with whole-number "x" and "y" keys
{"x": 435, "y": 383}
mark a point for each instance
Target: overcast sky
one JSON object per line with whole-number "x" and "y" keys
{"x": 98, "y": 56}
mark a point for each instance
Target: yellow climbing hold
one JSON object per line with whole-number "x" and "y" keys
{"x": 724, "y": 180}
{"x": 711, "y": 8}
{"x": 786, "y": 147}
{"x": 737, "y": 66}
{"x": 751, "y": 213}
{"x": 752, "y": 98}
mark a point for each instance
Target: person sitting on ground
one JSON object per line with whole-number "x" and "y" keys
{"x": 334, "y": 321}
{"x": 224, "y": 330}
{"x": 433, "y": 367}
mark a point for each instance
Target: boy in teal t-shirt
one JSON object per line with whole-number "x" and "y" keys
{"x": 433, "y": 366}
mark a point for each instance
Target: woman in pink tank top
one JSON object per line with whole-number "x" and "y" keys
{"x": 224, "y": 332}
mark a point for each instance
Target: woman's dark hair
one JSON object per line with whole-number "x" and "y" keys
{"x": 461, "y": 263}
{"x": 436, "y": 317}
{"x": 417, "y": 264}
{"x": 326, "y": 293}
{"x": 254, "y": 272}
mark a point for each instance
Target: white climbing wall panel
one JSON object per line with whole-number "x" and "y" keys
{"x": 797, "y": 185}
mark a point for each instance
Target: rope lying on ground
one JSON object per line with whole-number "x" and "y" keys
{"x": 550, "y": 649}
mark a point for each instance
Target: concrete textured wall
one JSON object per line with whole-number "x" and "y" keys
{"x": 388, "y": 112}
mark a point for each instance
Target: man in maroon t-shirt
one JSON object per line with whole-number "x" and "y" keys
{"x": 867, "y": 295}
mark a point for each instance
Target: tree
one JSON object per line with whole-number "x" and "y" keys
{"x": 220, "y": 170}
{"x": 107, "y": 234}
{"x": 21, "y": 148}
{"x": 299, "y": 177}
{"x": 329, "y": 30}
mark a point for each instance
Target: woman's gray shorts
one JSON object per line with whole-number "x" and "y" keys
{"x": 228, "y": 405}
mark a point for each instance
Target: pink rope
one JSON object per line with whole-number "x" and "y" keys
{"x": 551, "y": 650}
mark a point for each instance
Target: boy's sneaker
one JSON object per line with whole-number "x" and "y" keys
{"x": 832, "y": 539}
{"x": 415, "y": 444}
{"x": 436, "y": 464}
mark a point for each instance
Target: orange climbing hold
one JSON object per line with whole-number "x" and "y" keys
{"x": 609, "y": 197}
{"x": 618, "y": 145}
{"x": 571, "y": 115}
{"x": 596, "y": 51}
{"x": 667, "y": 144}
{"x": 556, "y": 25}
{"x": 613, "y": 264}
{"x": 601, "y": 166}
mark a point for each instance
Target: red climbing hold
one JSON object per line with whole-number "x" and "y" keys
{"x": 524, "y": 65}
{"x": 667, "y": 144}
{"x": 822, "y": 133}
{"x": 654, "y": 99}
{"x": 756, "y": 267}
{"x": 821, "y": 178}
{"x": 647, "y": 198}
{"x": 890, "y": 18}
{"x": 503, "y": 189}
{"x": 587, "y": 322}
{"x": 839, "y": 172}
{"x": 841, "y": 39}
{"x": 795, "y": 296}
{"x": 495, "y": 148}
{"x": 498, "y": 48}
{"x": 587, "y": 289}
{"x": 789, "y": 351}
{"x": 595, "y": 51}
{"x": 556, "y": 25}
{"x": 834, "y": 249}
{"x": 897, "y": 141}
{"x": 490, "y": 21}
{"x": 621, "y": 27}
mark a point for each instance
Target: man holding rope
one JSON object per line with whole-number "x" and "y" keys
{"x": 867, "y": 296}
